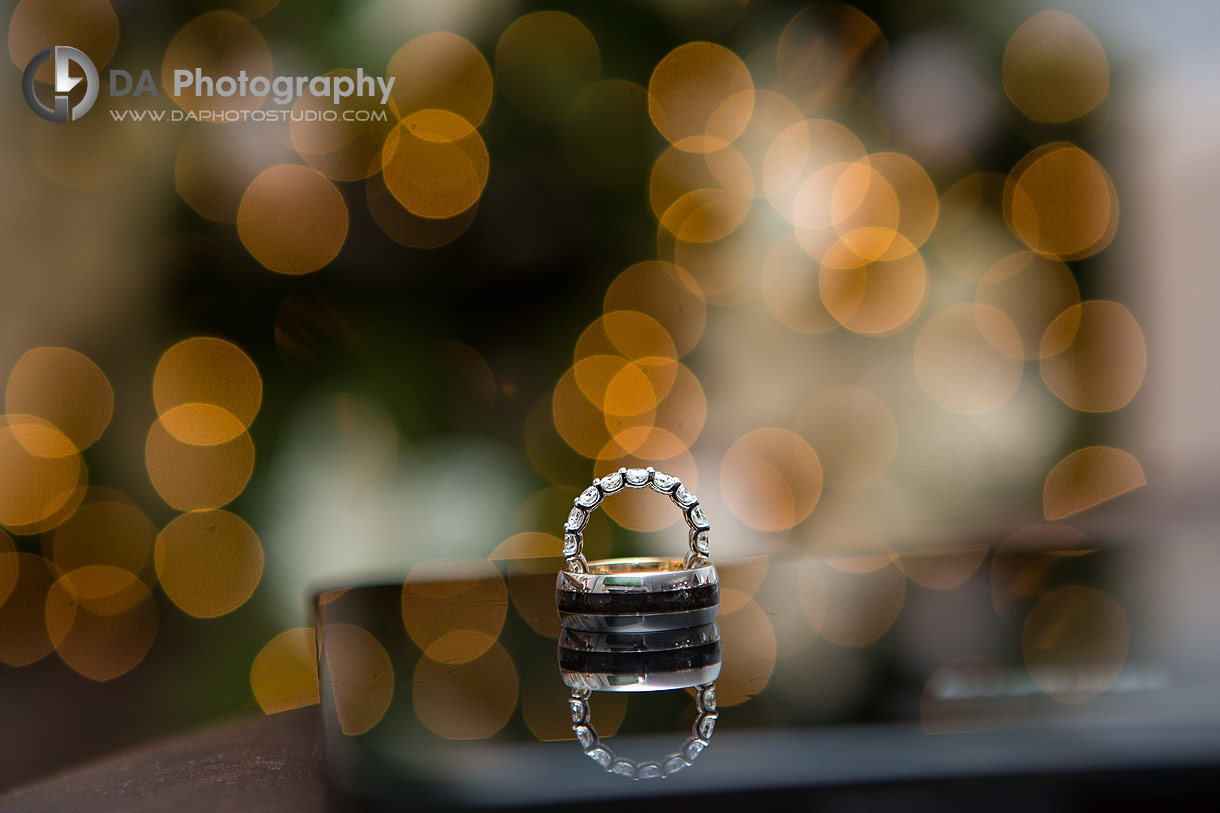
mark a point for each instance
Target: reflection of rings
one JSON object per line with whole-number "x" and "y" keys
{"x": 701, "y": 734}
{"x": 639, "y": 662}
{"x": 638, "y": 595}
{"x": 591, "y": 497}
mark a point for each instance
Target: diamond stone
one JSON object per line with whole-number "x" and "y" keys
{"x": 589, "y": 497}
{"x": 663, "y": 482}
{"x": 648, "y": 770}
{"x": 585, "y": 735}
{"x": 709, "y": 699}
{"x": 706, "y": 725}
{"x": 611, "y": 483}
{"x": 684, "y": 497}
{"x": 700, "y": 542}
{"x": 675, "y": 764}
{"x": 692, "y": 749}
{"x": 637, "y": 477}
{"x": 623, "y": 768}
{"x": 697, "y": 517}
{"x": 576, "y": 520}
{"x": 571, "y": 544}
{"x": 601, "y": 756}
{"x": 579, "y": 711}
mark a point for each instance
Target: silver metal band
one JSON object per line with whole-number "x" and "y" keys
{"x": 591, "y": 498}
{"x": 662, "y": 641}
{"x": 701, "y": 735}
{"x": 643, "y": 575}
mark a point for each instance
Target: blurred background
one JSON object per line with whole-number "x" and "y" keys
{"x": 906, "y": 293}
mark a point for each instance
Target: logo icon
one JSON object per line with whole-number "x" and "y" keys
{"x": 63, "y": 56}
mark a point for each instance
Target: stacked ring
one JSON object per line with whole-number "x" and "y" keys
{"x": 638, "y": 595}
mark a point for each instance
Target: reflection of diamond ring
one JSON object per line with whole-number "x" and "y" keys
{"x": 701, "y": 733}
{"x": 636, "y": 595}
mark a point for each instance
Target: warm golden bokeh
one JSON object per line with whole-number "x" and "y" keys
{"x": 851, "y": 608}
{"x": 217, "y": 162}
{"x": 23, "y": 629}
{"x": 469, "y": 701}
{"x": 412, "y": 230}
{"x": 1075, "y": 643}
{"x": 790, "y": 288}
{"x": 208, "y": 562}
{"x": 361, "y": 676}
{"x": 218, "y": 43}
{"x": 1024, "y": 563}
{"x": 957, "y": 361}
{"x": 543, "y": 60}
{"x": 544, "y": 705}
{"x": 701, "y": 198}
{"x": 105, "y": 530}
{"x": 665, "y": 292}
{"x": 1089, "y": 477}
{"x": 749, "y": 649}
{"x": 1055, "y": 70}
{"x": 346, "y": 148}
{"x": 1061, "y": 202}
{"x": 1094, "y": 356}
{"x": 442, "y": 71}
{"x": 699, "y": 97}
{"x": 292, "y": 219}
{"x": 206, "y": 371}
{"x": 64, "y": 388}
{"x": 1031, "y": 290}
{"x": 872, "y": 281}
{"x": 102, "y": 621}
{"x": 854, "y": 433}
{"x": 771, "y": 479}
{"x": 436, "y": 164}
{"x": 454, "y": 609}
{"x": 970, "y": 235}
{"x": 799, "y": 153}
{"x": 40, "y": 471}
{"x": 191, "y": 477}
{"x": 941, "y": 568}
{"x": 90, "y": 25}
{"x": 284, "y": 675}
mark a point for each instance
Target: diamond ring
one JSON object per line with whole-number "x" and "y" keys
{"x": 636, "y": 595}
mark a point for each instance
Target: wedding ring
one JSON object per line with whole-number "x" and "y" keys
{"x": 637, "y": 595}
{"x": 639, "y": 662}
{"x": 700, "y": 738}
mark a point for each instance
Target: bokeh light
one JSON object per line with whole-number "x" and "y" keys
{"x": 967, "y": 358}
{"x": 361, "y": 676}
{"x": 436, "y": 164}
{"x": 454, "y": 609}
{"x": 1094, "y": 356}
{"x": 102, "y": 621}
{"x": 851, "y": 607}
{"x": 1032, "y": 291}
{"x": 284, "y": 675}
{"x": 208, "y": 562}
{"x": 217, "y": 162}
{"x": 872, "y": 281}
{"x": 1089, "y": 477}
{"x": 826, "y": 46}
{"x": 292, "y": 219}
{"x": 1075, "y": 643}
{"x": 470, "y": 700}
{"x": 1055, "y": 70}
{"x": 23, "y": 629}
{"x": 1060, "y": 201}
{"x": 543, "y": 60}
{"x": 854, "y": 433}
{"x": 64, "y": 388}
{"x": 347, "y": 147}
{"x": 699, "y": 97}
{"x": 192, "y": 477}
{"x": 40, "y": 471}
{"x": 218, "y": 43}
{"x": 667, "y": 293}
{"x": 90, "y": 25}
{"x": 441, "y": 71}
{"x": 107, "y": 529}
{"x": 206, "y": 374}
{"x": 771, "y": 479}
{"x": 749, "y": 648}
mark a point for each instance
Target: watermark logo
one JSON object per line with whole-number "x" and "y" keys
{"x": 63, "y": 56}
